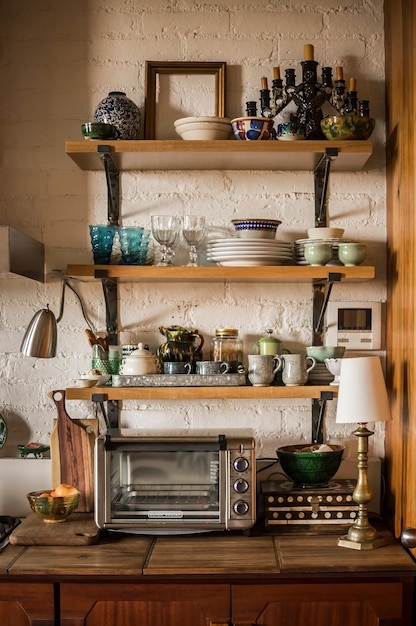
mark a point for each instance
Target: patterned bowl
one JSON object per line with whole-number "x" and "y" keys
{"x": 52, "y": 509}
{"x": 308, "y": 468}
{"x": 252, "y": 128}
{"x": 254, "y": 228}
{"x": 347, "y": 127}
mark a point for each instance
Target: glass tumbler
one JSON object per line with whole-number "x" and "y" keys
{"x": 102, "y": 239}
{"x": 130, "y": 244}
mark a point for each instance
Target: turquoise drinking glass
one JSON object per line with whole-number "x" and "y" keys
{"x": 130, "y": 244}
{"x": 102, "y": 239}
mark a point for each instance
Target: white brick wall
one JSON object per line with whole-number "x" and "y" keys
{"x": 58, "y": 61}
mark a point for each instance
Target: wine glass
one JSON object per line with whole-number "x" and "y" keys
{"x": 193, "y": 230}
{"x": 165, "y": 229}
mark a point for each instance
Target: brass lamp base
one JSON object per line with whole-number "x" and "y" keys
{"x": 366, "y": 544}
{"x": 361, "y": 535}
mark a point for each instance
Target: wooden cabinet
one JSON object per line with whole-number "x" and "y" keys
{"x": 133, "y": 604}
{"x": 27, "y": 604}
{"x": 343, "y": 603}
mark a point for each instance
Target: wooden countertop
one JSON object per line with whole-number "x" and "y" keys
{"x": 213, "y": 555}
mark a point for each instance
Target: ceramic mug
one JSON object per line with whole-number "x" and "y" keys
{"x": 211, "y": 368}
{"x": 176, "y": 367}
{"x": 295, "y": 368}
{"x": 262, "y": 369}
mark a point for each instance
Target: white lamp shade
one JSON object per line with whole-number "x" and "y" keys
{"x": 362, "y": 393}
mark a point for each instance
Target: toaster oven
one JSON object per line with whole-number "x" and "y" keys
{"x": 161, "y": 484}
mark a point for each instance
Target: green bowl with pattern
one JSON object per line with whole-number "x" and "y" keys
{"x": 347, "y": 127}
{"x": 52, "y": 509}
{"x": 307, "y": 467}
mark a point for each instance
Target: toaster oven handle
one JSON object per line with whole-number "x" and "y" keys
{"x": 130, "y": 445}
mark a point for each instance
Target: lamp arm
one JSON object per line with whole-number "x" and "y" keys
{"x": 65, "y": 283}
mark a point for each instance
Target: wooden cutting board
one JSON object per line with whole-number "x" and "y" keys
{"x": 78, "y": 529}
{"x": 72, "y": 452}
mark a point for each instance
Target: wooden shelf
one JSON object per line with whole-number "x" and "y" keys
{"x": 220, "y": 155}
{"x": 278, "y": 273}
{"x": 196, "y": 393}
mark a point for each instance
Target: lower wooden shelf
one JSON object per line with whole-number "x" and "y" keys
{"x": 196, "y": 393}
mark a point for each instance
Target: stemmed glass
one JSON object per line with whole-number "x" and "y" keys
{"x": 165, "y": 229}
{"x": 193, "y": 231}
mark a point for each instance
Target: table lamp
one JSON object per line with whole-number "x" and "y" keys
{"x": 362, "y": 398}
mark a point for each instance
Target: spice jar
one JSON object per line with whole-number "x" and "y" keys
{"x": 226, "y": 346}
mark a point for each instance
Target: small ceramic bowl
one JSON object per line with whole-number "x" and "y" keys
{"x": 347, "y": 127}
{"x": 352, "y": 253}
{"x": 317, "y": 253}
{"x": 255, "y": 228}
{"x": 52, "y": 509}
{"x": 290, "y": 131}
{"x": 204, "y": 128}
{"x": 252, "y": 128}
{"x": 323, "y": 232}
{"x": 98, "y": 130}
{"x": 321, "y": 353}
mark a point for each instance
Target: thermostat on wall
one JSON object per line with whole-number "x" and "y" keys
{"x": 355, "y": 325}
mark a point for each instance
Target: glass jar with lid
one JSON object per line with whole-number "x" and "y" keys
{"x": 227, "y": 346}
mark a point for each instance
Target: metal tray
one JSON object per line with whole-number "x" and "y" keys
{"x": 179, "y": 380}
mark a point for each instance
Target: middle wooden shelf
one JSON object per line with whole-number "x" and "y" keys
{"x": 241, "y": 392}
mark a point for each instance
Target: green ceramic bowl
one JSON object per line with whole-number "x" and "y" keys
{"x": 98, "y": 130}
{"x": 52, "y": 509}
{"x": 309, "y": 469}
{"x": 320, "y": 353}
{"x": 347, "y": 127}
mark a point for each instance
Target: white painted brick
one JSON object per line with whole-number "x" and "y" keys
{"x": 58, "y": 63}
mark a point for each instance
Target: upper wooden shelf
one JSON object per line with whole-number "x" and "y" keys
{"x": 220, "y": 155}
{"x": 278, "y": 273}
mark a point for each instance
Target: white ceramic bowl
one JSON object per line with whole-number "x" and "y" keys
{"x": 204, "y": 128}
{"x": 88, "y": 380}
{"x": 325, "y": 233}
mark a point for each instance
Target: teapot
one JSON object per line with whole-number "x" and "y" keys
{"x": 139, "y": 362}
{"x": 270, "y": 345}
{"x": 182, "y": 344}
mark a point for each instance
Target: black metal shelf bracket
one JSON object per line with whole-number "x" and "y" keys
{"x": 321, "y": 177}
{"x": 111, "y": 415}
{"x": 321, "y": 294}
{"x": 113, "y": 183}
{"x": 318, "y": 408}
{"x": 110, "y": 290}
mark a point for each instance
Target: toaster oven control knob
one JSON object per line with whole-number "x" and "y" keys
{"x": 240, "y": 507}
{"x": 240, "y": 485}
{"x": 241, "y": 464}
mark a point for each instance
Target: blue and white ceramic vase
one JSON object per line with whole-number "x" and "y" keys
{"x": 120, "y": 111}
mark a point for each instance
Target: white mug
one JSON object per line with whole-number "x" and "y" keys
{"x": 295, "y": 368}
{"x": 262, "y": 369}
{"x": 211, "y": 368}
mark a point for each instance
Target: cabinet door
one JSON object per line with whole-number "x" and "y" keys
{"x": 26, "y": 604}
{"x": 315, "y": 604}
{"x": 130, "y": 604}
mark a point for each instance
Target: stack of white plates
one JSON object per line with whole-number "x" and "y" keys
{"x": 299, "y": 250}
{"x": 249, "y": 252}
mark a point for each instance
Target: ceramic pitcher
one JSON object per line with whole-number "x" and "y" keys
{"x": 295, "y": 368}
{"x": 183, "y": 344}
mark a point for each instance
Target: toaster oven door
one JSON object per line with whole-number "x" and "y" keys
{"x": 159, "y": 484}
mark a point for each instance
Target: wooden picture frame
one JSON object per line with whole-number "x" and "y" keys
{"x": 154, "y": 68}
